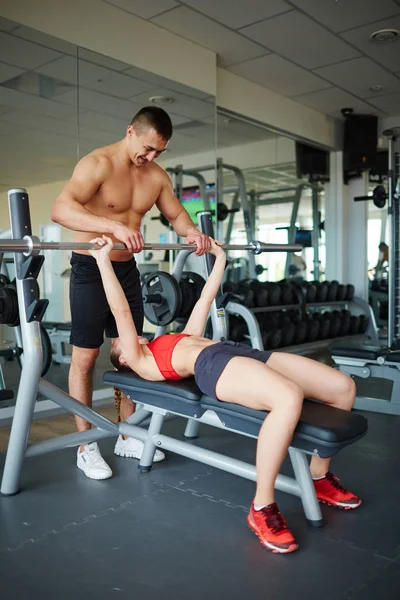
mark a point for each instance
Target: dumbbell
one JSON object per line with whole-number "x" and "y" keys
{"x": 341, "y": 292}
{"x": 363, "y": 324}
{"x": 310, "y": 291}
{"x": 350, "y": 292}
{"x": 245, "y": 294}
{"x": 274, "y": 293}
{"x": 287, "y": 327}
{"x": 300, "y": 327}
{"x": 237, "y": 328}
{"x": 288, "y": 334}
{"x": 344, "y": 322}
{"x": 354, "y": 325}
{"x": 321, "y": 291}
{"x": 270, "y": 321}
{"x": 334, "y": 318}
{"x": 324, "y": 325}
{"x": 332, "y": 291}
{"x": 312, "y": 328}
{"x": 300, "y": 332}
{"x": 287, "y": 295}
{"x": 260, "y": 293}
{"x": 271, "y": 338}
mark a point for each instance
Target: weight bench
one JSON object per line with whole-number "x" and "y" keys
{"x": 371, "y": 361}
{"x": 321, "y": 430}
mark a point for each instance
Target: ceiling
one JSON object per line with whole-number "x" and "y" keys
{"x": 317, "y": 52}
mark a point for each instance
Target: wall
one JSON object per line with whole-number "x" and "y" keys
{"x": 103, "y": 28}
{"x": 283, "y": 114}
{"x": 41, "y": 200}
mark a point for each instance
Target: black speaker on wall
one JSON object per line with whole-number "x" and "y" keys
{"x": 312, "y": 162}
{"x": 360, "y": 143}
{"x": 381, "y": 164}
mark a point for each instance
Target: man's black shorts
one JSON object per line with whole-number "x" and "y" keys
{"x": 90, "y": 313}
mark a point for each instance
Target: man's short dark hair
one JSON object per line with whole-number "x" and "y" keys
{"x": 153, "y": 117}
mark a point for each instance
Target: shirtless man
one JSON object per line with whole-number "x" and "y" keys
{"x": 110, "y": 191}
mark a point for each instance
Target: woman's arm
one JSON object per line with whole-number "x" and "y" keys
{"x": 198, "y": 318}
{"x": 130, "y": 346}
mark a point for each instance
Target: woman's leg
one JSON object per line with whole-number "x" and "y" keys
{"x": 250, "y": 383}
{"x": 317, "y": 381}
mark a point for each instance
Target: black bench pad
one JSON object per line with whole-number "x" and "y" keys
{"x": 182, "y": 396}
{"x": 367, "y": 352}
{"x": 320, "y": 427}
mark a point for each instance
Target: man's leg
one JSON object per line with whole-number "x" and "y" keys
{"x": 89, "y": 459}
{"x": 89, "y": 314}
{"x": 80, "y": 380}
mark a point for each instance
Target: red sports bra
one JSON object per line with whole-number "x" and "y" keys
{"x": 162, "y": 349}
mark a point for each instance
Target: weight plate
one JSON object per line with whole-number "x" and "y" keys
{"x": 165, "y": 311}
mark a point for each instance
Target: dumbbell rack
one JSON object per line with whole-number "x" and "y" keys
{"x": 254, "y": 330}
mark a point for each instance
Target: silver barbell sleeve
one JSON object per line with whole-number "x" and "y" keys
{"x": 32, "y": 245}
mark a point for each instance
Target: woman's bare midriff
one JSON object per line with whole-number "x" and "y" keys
{"x": 184, "y": 356}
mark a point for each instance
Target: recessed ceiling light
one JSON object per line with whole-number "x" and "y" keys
{"x": 161, "y": 100}
{"x": 383, "y": 36}
{"x": 378, "y": 87}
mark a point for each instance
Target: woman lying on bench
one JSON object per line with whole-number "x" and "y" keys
{"x": 231, "y": 372}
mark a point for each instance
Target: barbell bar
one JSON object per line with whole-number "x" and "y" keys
{"x": 31, "y": 245}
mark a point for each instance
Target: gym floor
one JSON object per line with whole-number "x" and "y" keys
{"x": 180, "y": 531}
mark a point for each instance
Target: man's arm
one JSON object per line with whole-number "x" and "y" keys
{"x": 198, "y": 318}
{"x": 169, "y": 205}
{"x": 70, "y": 209}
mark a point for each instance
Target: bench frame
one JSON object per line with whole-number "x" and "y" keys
{"x": 300, "y": 485}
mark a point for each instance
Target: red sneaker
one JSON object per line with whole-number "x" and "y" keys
{"x": 329, "y": 491}
{"x": 269, "y": 525}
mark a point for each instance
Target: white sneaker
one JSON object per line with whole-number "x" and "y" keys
{"x": 131, "y": 448}
{"x": 92, "y": 463}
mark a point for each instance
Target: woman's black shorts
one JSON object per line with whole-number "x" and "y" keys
{"x": 91, "y": 316}
{"x": 213, "y": 359}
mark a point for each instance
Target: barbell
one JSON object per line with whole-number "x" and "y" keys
{"x": 31, "y": 245}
